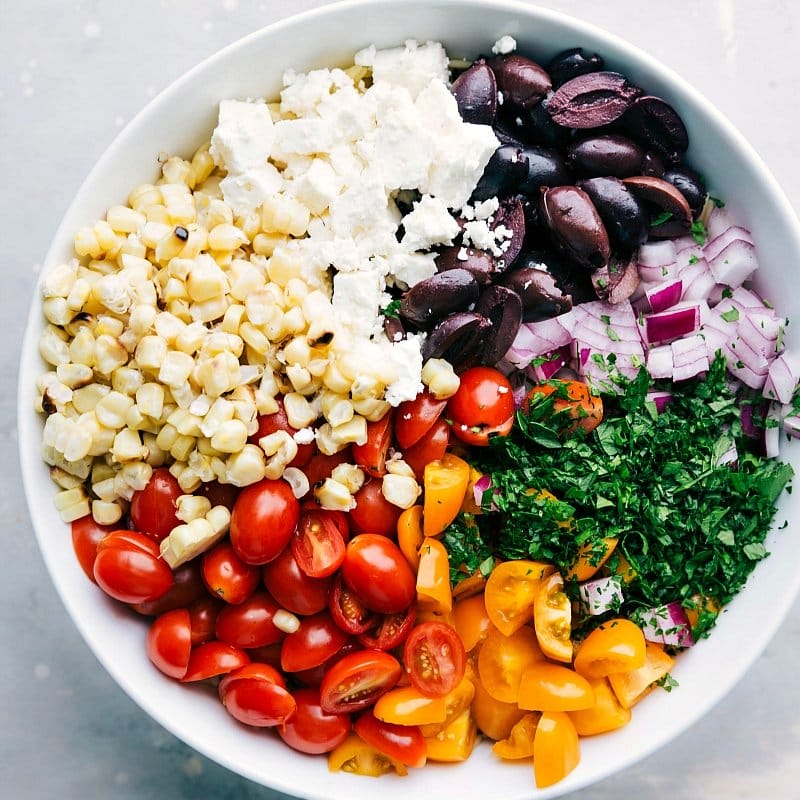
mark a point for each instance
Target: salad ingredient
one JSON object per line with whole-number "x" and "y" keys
{"x": 372, "y": 512}
{"x": 311, "y": 729}
{"x": 292, "y": 588}
{"x": 390, "y": 631}
{"x": 659, "y": 125}
{"x": 153, "y": 509}
{"x": 347, "y": 611}
{"x": 482, "y": 406}
{"x": 606, "y": 714}
{"x": 592, "y": 100}
{"x": 445, "y": 484}
{"x": 502, "y": 660}
{"x": 435, "y": 659}
{"x": 317, "y": 639}
{"x": 371, "y": 456}
{"x": 493, "y": 717}
{"x": 169, "y": 642}
{"x": 406, "y": 705}
{"x": 617, "y": 645}
{"x": 510, "y": 591}
{"x": 575, "y": 226}
{"x": 251, "y": 623}
{"x": 256, "y": 694}
{"x": 552, "y": 616}
{"x": 667, "y": 624}
{"x": 431, "y": 299}
{"x": 434, "y": 594}
{"x": 630, "y": 687}
{"x": 356, "y": 756}
{"x": 519, "y": 743}
{"x": 187, "y": 588}
{"x": 573, "y": 405}
{"x": 86, "y": 535}
{"x": 212, "y": 659}
{"x": 553, "y": 687}
{"x": 471, "y": 621}
{"x": 318, "y": 544}
{"x": 416, "y": 417}
{"x": 403, "y": 743}
{"x": 455, "y": 743}
{"x": 357, "y": 680}
{"x": 228, "y": 577}
{"x": 556, "y": 750}
{"x": 410, "y": 535}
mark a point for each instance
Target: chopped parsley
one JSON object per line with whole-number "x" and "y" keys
{"x": 699, "y": 231}
{"x": 392, "y": 309}
{"x": 660, "y": 219}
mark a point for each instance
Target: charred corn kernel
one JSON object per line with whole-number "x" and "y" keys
{"x": 169, "y": 246}
{"x": 64, "y": 479}
{"x": 188, "y": 541}
{"x": 176, "y": 170}
{"x": 440, "y": 378}
{"x": 350, "y": 475}
{"x": 244, "y": 279}
{"x": 191, "y": 506}
{"x": 74, "y": 375}
{"x": 196, "y": 242}
{"x": 283, "y": 266}
{"x": 175, "y": 368}
{"x": 333, "y": 495}
{"x": 56, "y": 311}
{"x": 206, "y": 281}
{"x": 297, "y": 479}
{"x": 245, "y": 467}
{"x": 284, "y": 214}
{"x": 144, "y": 195}
{"x": 230, "y": 437}
{"x": 286, "y": 621}
{"x": 300, "y": 378}
{"x": 233, "y": 319}
{"x": 125, "y": 220}
{"x": 400, "y": 490}
{"x": 109, "y": 326}
{"x": 191, "y": 338}
{"x": 299, "y": 412}
{"x": 82, "y": 349}
{"x": 167, "y": 437}
{"x": 53, "y": 346}
{"x": 396, "y": 466}
{"x": 297, "y": 351}
{"x": 111, "y": 409}
{"x": 128, "y": 446}
{"x": 109, "y": 355}
{"x": 226, "y": 237}
{"x": 265, "y": 244}
{"x": 106, "y": 512}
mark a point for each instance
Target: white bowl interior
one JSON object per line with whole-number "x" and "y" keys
{"x": 182, "y": 117}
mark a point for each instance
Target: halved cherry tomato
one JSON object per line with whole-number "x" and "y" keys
{"x": 227, "y": 576}
{"x": 212, "y": 659}
{"x": 414, "y": 418}
{"x": 354, "y": 755}
{"x": 556, "y": 750}
{"x": 471, "y": 621}
{"x": 519, "y": 743}
{"x": 431, "y": 447}
{"x": 615, "y": 646}
{"x": 292, "y": 589}
{"x": 128, "y": 567}
{"x": 492, "y": 716}
{"x": 373, "y": 513}
{"x": 203, "y": 615}
{"x": 153, "y": 508}
{"x": 591, "y": 557}
{"x": 474, "y": 584}
{"x": 455, "y": 702}
{"x": 471, "y": 504}
{"x": 552, "y": 618}
{"x": 553, "y": 687}
{"x": 433, "y": 578}
{"x": 391, "y": 630}
{"x": 313, "y": 677}
{"x": 510, "y": 591}
{"x": 503, "y": 659}
{"x": 187, "y": 587}
{"x": 410, "y": 535}
{"x": 607, "y": 714}
{"x": 271, "y": 423}
{"x": 405, "y": 705}
{"x": 263, "y": 520}
{"x": 403, "y": 743}
{"x": 574, "y": 405}
{"x": 454, "y": 743}
{"x": 371, "y": 456}
{"x": 434, "y": 658}
{"x": 317, "y": 544}
{"x": 321, "y": 466}
{"x": 630, "y": 687}
{"x": 311, "y": 729}
{"x": 249, "y": 624}
{"x": 445, "y": 484}
{"x": 358, "y": 680}
{"x": 86, "y": 535}
{"x": 169, "y": 642}
{"x": 482, "y": 407}
{"x": 256, "y": 695}
{"x": 347, "y": 611}
{"x": 376, "y": 570}
{"x": 317, "y": 639}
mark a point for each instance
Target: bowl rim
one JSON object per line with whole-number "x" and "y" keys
{"x": 29, "y": 425}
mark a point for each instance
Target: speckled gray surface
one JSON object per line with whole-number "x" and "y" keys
{"x": 71, "y": 74}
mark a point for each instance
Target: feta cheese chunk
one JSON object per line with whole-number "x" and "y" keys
{"x": 412, "y": 66}
{"x": 243, "y": 137}
{"x": 428, "y": 224}
{"x": 504, "y": 45}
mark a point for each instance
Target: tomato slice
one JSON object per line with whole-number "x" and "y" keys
{"x": 317, "y": 639}
{"x": 404, "y": 705}
{"x": 391, "y": 631}
{"x": 631, "y": 687}
{"x": 471, "y": 621}
{"x": 510, "y": 592}
{"x": 435, "y": 659}
{"x": 454, "y": 743}
{"x": 553, "y": 687}
{"x": 212, "y": 659}
{"x": 410, "y": 535}
{"x": 433, "y": 578}
{"x": 256, "y": 695}
{"x": 414, "y": 418}
{"x": 519, "y": 743}
{"x": 403, "y": 743}
{"x": 358, "y": 680}
{"x": 503, "y": 659}
{"x": 552, "y": 618}
{"x": 86, "y": 535}
{"x": 169, "y": 642}
{"x": 347, "y": 611}
{"x": 310, "y": 729}
{"x": 371, "y": 456}
{"x": 318, "y": 545}
{"x": 431, "y": 447}
{"x": 607, "y": 713}
{"x": 556, "y": 750}
{"x": 445, "y": 482}
{"x": 617, "y": 645}
{"x": 482, "y": 407}
{"x": 355, "y": 756}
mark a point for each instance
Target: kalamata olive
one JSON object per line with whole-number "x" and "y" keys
{"x": 394, "y": 329}
{"x": 625, "y": 219}
{"x": 540, "y": 294}
{"x": 503, "y": 308}
{"x": 653, "y": 165}
{"x": 573, "y": 281}
{"x": 480, "y": 263}
{"x": 425, "y": 303}
{"x": 511, "y": 215}
{"x": 663, "y": 196}
{"x": 592, "y": 100}
{"x": 459, "y": 338}
{"x": 522, "y": 81}
{"x": 534, "y": 126}
{"x": 546, "y": 167}
{"x": 617, "y": 281}
{"x": 690, "y": 184}
{"x": 506, "y": 170}
{"x": 607, "y": 155}
{"x": 476, "y": 94}
{"x": 655, "y": 122}
{"x": 575, "y": 225}
{"x": 569, "y": 64}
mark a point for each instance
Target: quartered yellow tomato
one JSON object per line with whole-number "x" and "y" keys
{"x": 503, "y": 659}
{"x": 553, "y": 687}
{"x": 615, "y": 646}
{"x": 519, "y": 743}
{"x": 510, "y": 592}
{"x": 409, "y": 534}
{"x": 433, "y": 577}
{"x": 630, "y": 687}
{"x": 455, "y": 742}
{"x": 494, "y": 718}
{"x": 606, "y": 714}
{"x": 456, "y": 701}
{"x": 556, "y": 750}
{"x": 552, "y": 618}
{"x": 356, "y": 756}
{"x": 591, "y": 557}
{"x": 471, "y": 621}
{"x": 408, "y": 706}
{"x": 445, "y": 484}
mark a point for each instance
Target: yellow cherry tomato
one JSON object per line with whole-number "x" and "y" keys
{"x": 576, "y": 406}
{"x": 407, "y": 706}
{"x": 615, "y": 646}
{"x": 474, "y": 584}
{"x": 426, "y": 614}
{"x": 630, "y": 687}
{"x": 503, "y": 659}
{"x": 519, "y": 743}
{"x": 456, "y": 701}
{"x": 356, "y": 756}
{"x": 494, "y": 718}
{"x": 591, "y": 557}
{"x": 469, "y": 506}
{"x": 621, "y": 566}
{"x": 701, "y": 606}
{"x": 556, "y": 750}
{"x": 409, "y": 534}
{"x": 553, "y": 687}
{"x": 552, "y": 618}
{"x": 607, "y": 714}
{"x": 455, "y": 742}
{"x": 510, "y": 592}
{"x": 471, "y": 621}
{"x": 433, "y": 577}
{"x": 445, "y": 484}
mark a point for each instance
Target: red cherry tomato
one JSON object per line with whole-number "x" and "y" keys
{"x": 187, "y": 587}
{"x": 373, "y": 513}
{"x": 169, "y": 642}
{"x": 313, "y": 677}
{"x": 249, "y": 624}
{"x": 86, "y": 535}
{"x": 153, "y": 508}
{"x": 271, "y": 423}
{"x": 256, "y": 694}
{"x": 403, "y": 743}
{"x": 347, "y": 611}
{"x": 340, "y": 518}
{"x": 376, "y": 570}
{"x": 391, "y": 631}
{"x": 268, "y": 654}
{"x": 318, "y": 545}
{"x": 212, "y": 659}
{"x": 320, "y": 466}
{"x": 317, "y": 639}
{"x": 292, "y": 589}
{"x": 482, "y": 406}
{"x": 263, "y": 520}
{"x": 219, "y": 494}
{"x": 203, "y": 615}
{"x": 431, "y": 447}
{"x": 128, "y": 567}
{"x": 414, "y": 418}
{"x": 227, "y": 576}
{"x": 435, "y": 659}
{"x": 371, "y": 455}
{"x": 358, "y": 680}
{"x": 311, "y": 729}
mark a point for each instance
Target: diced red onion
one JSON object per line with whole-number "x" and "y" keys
{"x": 791, "y": 425}
{"x": 763, "y": 332}
{"x": 659, "y": 361}
{"x": 747, "y": 298}
{"x": 783, "y": 377}
{"x": 740, "y": 352}
{"x": 698, "y": 282}
{"x": 772, "y": 441}
{"x": 735, "y": 263}
{"x": 546, "y": 369}
{"x": 658, "y": 273}
{"x": 672, "y": 324}
{"x": 667, "y": 624}
{"x": 718, "y": 221}
{"x": 479, "y": 488}
{"x": 656, "y": 254}
{"x": 752, "y": 418}
{"x": 715, "y": 246}
{"x": 539, "y": 338}
{"x": 664, "y": 295}
{"x": 601, "y": 595}
{"x": 685, "y": 244}
{"x": 689, "y": 357}
{"x": 660, "y": 399}
{"x": 729, "y": 457}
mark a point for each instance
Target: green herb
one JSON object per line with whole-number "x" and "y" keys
{"x": 693, "y": 259}
{"x": 730, "y": 316}
{"x": 468, "y": 552}
{"x": 660, "y": 219}
{"x": 699, "y": 231}
{"x": 667, "y": 683}
{"x": 716, "y": 201}
{"x": 391, "y": 310}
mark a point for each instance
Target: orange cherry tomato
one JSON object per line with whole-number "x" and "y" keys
{"x": 471, "y": 621}
{"x": 607, "y": 714}
{"x": 519, "y": 743}
{"x": 552, "y": 618}
{"x": 510, "y": 592}
{"x": 455, "y": 742}
{"x": 503, "y": 659}
{"x": 494, "y": 718}
{"x": 445, "y": 484}
{"x": 556, "y": 750}
{"x": 460, "y": 699}
{"x": 410, "y": 535}
{"x": 631, "y": 687}
{"x": 615, "y": 646}
{"x": 553, "y": 687}
{"x": 433, "y": 577}
{"x": 354, "y": 755}
{"x": 470, "y": 586}
{"x": 406, "y": 705}
{"x": 591, "y": 557}
{"x": 574, "y": 405}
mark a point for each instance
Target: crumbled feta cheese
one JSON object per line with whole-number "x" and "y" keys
{"x": 428, "y": 224}
{"x": 303, "y": 136}
{"x": 304, "y": 436}
{"x": 408, "y": 269}
{"x": 245, "y": 192}
{"x": 412, "y": 66}
{"x": 406, "y": 357}
{"x": 243, "y": 137}
{"x": 317, "y": 186}
{"x": 357, "y": 298}
{"x": 504, "y": 45}
{"x": 485, "y": 209}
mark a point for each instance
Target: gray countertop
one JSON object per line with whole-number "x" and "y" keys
{"x": 72, "y": 73}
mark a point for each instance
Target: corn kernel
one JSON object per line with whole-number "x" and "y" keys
{"x": 105, "y": 512}
{"x": 351, "y": 476}
{"x": 400, "y": 490}
{"x": 245, "y": 467}
{"x": 226, "y": 238}
{"x": 175, "y": 368}
{"x": 334, "y": 496}
{"x": 438, "y": 375}
{"x": 297, "y": 479}
{"x": 128, "y": 446}
{"x": 191, "y": 506}
{"x": 230, "y": 437}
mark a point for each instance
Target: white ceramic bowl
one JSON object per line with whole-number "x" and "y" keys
{"x": 182, "y": 117}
